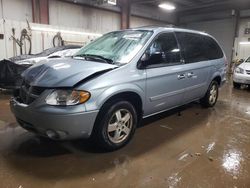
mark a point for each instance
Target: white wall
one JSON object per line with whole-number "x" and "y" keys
{"x": 18, "y": 10}
{"x": 41, "y": 40}
{"x": 1, "y": 13}
{"x": 70, "y": 15}
{"x": 2, "y": 42}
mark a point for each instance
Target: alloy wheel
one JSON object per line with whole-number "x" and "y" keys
{"x": 120, "y": 126}
{"x": 213, "y": 94}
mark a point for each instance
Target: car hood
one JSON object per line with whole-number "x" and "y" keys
{"x": 56, "y": 73}
{"x": 245, "y": 66}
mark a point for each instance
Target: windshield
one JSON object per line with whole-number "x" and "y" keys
{"x": 248, "y": 60}
{"x": 119, "y": 46}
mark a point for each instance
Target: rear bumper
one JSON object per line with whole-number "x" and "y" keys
{"x": 56, "y": 125}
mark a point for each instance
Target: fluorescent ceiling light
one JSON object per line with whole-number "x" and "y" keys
{"x": 112, "y": 2}
{"x": 167, "y": 6}
{"x": 44, "y": 29}
{"x": 175, "y": 50}
{"x": 245, "y": 43}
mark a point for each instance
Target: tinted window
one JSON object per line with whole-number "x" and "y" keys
{"x": 164, "y": 50}
{"x": 197, "y": 47}
{"x": 248, "y": 60}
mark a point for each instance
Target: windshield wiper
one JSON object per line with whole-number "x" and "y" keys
{"x": 95, "y": 57}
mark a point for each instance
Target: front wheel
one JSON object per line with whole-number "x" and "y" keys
{"x": 115, "y": 125}
{"x": 210, "y": 99}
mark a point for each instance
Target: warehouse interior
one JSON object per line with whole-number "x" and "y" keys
{"x": 188, "y": 146}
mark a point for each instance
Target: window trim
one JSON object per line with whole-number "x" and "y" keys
{"x": 182, "y": 62}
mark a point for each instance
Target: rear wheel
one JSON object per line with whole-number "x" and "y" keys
{"x": 115, "y": 125}
{"x": 210, "y": 99}
{"x": 236, "y": 85}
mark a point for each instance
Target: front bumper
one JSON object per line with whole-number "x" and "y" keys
{"x": 55, "y": 123}
{"x": 241, "y": 78}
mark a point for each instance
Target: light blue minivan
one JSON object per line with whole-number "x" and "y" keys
{"x": 104, "y": 90}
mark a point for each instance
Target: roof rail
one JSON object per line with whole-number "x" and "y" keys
{"x": 160, "y": 25}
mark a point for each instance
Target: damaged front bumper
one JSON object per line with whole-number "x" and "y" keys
{"x": 58, "y": 123}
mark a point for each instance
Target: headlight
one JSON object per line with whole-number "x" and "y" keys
{"x": 67, "y": 97}
{"x": 25, "y": 62}
{"x": 239, "y": 70}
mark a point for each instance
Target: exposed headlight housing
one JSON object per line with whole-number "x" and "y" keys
{"x": 67, "y": 97}
{"x": 239, "y": 70}
{"x": 25, "y": 62}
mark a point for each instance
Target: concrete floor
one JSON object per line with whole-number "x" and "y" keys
{"x": 195, "y": 148}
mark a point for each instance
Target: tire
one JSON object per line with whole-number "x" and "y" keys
{"x": 110, "y": 132}
{"x": 210, "y": 99}
{"x": 236, "y": 85}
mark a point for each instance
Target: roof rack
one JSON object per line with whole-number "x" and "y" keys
{"x": 160, "y": 25}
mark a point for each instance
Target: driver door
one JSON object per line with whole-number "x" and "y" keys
{"x": 165, "y": 75}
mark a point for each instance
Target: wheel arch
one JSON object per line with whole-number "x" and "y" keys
{"x": 128, "y": 95}
{"x": 217, "y": 77}
{"x": 134, "y": 95}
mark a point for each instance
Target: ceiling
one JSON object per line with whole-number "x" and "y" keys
{"x": 185, "y": 7}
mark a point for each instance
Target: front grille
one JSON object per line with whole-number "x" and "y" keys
{"x": 248, "y": 72}
{"x": 29, "y": 94}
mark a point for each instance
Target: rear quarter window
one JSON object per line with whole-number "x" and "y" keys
{"x": 197, "y": 47}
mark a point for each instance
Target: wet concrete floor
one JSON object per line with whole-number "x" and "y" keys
{"x": 195, "y": 148}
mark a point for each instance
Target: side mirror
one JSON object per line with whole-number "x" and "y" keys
{"x": 149, "y": 58}
{"x": 144, "y": 59}
{"x": 146, "y": 56}
{"x": 241, "y": 61}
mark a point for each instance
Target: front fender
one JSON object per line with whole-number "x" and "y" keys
{"x": 112, "y": 91}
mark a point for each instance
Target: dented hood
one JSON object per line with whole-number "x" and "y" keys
{"x": 63, "y": 72}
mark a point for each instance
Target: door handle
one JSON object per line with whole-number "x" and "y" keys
{"x": 190, "y": 75}
{"x": 181, "y": 76}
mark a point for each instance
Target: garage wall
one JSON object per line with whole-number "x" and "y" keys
{"x": 138, "y": 22}
{"x": 2, "y": 41}
{"x": 153, "y": 13}
{"x": 18, "y": 10}
{"x": 1, "y": 11}
{"x": 41, "y": 40}
{"x": 70, "y": 15}
{"x": 223, "y": 30}
{"x": 242, "y": 51}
